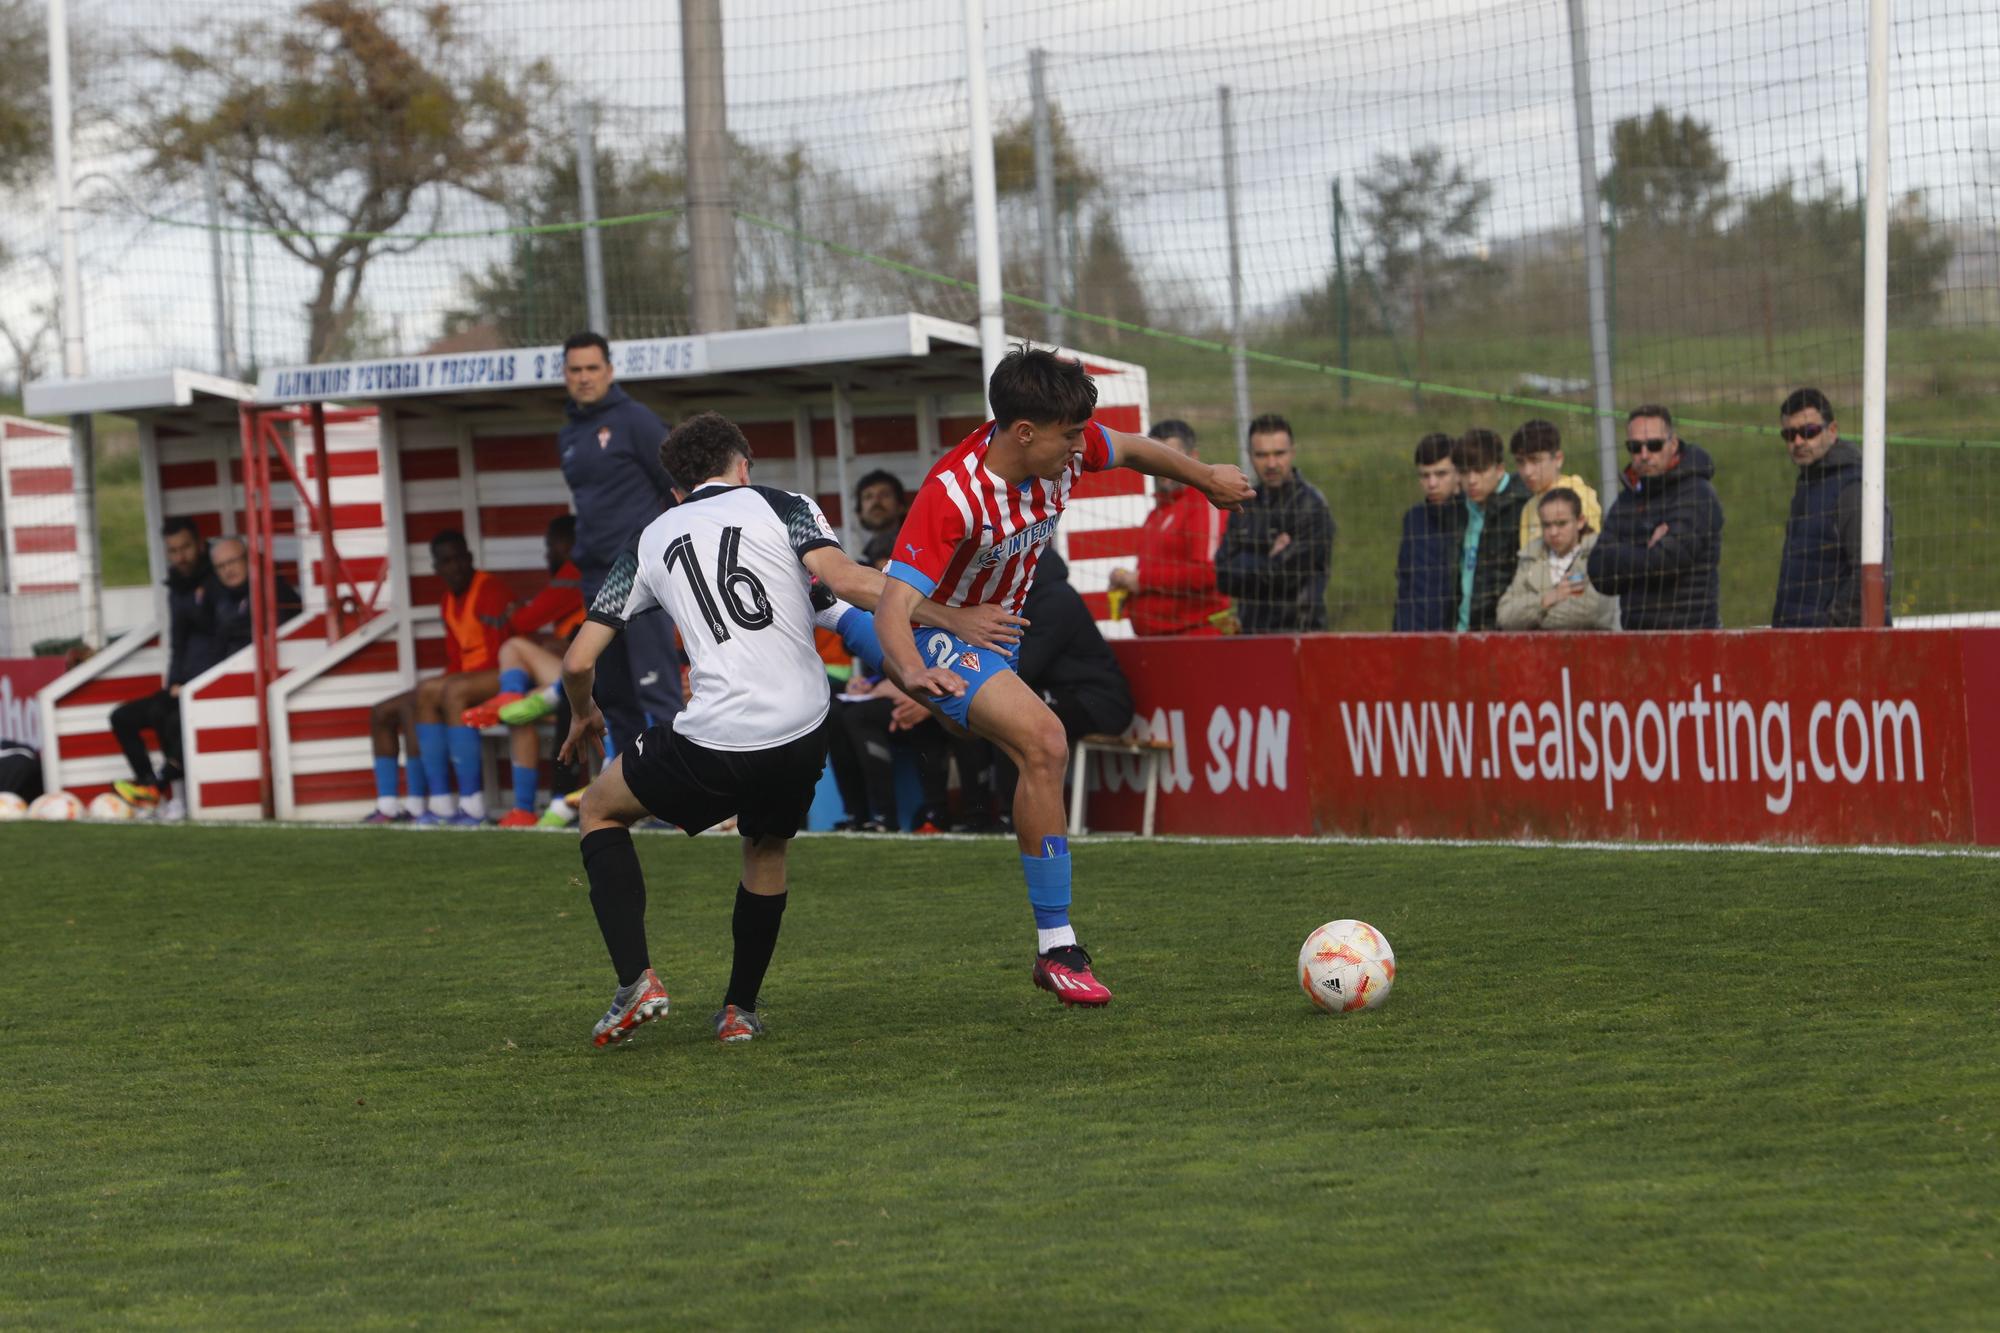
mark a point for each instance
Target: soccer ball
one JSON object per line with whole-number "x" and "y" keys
{"x": 12, "y": 806}
{"x": 110, "y": 805}
{"x": 1347, "y": 965}
{"x": 56, "y": 806}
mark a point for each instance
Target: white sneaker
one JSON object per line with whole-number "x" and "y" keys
{"x": 173, "y": 810}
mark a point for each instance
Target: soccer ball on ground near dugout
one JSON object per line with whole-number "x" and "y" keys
{"x": 110, "y": 805}
{"x": 1347, "y": 965}
{"x": 12, "y": 806}
{"x": 56, "y": 806}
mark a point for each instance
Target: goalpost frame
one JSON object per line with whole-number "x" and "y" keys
{"x": 1875, "y": 322}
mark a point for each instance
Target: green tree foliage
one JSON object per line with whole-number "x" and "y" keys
{"x": 24, "y": 91}
{"x": 1811, "y": 243}
{"x": 1422, "y": 213}
{"x": 1667, "y": 171}
{"x": 1108, "y": 282}
{"x": 343, "y": 116}
{"x": 536, "y": 294}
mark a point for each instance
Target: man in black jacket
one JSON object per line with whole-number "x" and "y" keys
{"x": 1065, "y": 659}
{"x": 1661, "y": 551}
{"x": 1491, "y": 548}
{"x": 191, "y": 650}
{"x": 1275, "y": 556}
{"x": 1433, "y": 539}
{"x": 228, "y": 597}
{"x": 1819, "y": 574}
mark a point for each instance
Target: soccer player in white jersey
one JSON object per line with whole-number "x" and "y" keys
{"x": 971, "y": 538}
{"x": 732, "y": 564}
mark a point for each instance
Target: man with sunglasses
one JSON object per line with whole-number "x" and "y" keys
{"x": 1819, "y": 575}
{"x": 1661, "y": 551}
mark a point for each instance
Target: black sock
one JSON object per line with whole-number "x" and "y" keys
{"x": 755, "y": 926}
{"x": 618, "y": 896}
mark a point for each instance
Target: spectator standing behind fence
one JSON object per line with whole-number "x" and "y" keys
{"x": 1661, "y": 551}
{"x": 1493, "y": 499}
{"x": 1819, "y": 574}
{"x": 191, "y": 650}
{"x": 1172, "y": 588}
{"x": 1551, "y": 589}
{"x": 1278, "y": 548}
{"x": 1433, "y": 533}
{"x": 1538, "y": 458}
{"x": 879, "y": 504}
{"x": 610, "y": 448}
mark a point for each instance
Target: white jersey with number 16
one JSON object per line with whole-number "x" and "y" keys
{"x": 725, "y": 563}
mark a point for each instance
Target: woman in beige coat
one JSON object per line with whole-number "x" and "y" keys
{"x": 1551, "y": 588}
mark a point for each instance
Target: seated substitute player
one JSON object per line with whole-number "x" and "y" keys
{"x": 530, "y": 661}
{"x": 973, "y": 535}
{"x": 474, "y": 608}
{"x": 733, "y": 563}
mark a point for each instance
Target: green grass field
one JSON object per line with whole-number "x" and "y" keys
{"x": 269, "y": 1077}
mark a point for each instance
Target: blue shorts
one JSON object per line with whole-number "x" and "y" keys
{"x": 975, "y": 666}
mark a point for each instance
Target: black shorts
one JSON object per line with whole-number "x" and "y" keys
{"x": 694, "y": 787}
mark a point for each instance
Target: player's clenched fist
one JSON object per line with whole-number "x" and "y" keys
{"x": 1227, "y": 487}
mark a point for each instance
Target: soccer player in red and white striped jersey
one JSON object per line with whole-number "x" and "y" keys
{"x": 973, "y": 536}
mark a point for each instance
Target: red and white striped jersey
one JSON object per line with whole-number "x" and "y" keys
{"x": 972, "y": 537}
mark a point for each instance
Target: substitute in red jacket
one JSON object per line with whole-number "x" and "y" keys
{"x": 1172, "y": 591}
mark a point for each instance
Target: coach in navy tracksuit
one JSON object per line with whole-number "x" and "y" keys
{"x": 611, "y": 460}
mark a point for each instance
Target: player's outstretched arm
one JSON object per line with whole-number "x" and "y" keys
{"x": 982, "y": 626}
{"x": 579, "y": 676}
{"x": 900, "y": 660}
{"x": 1223, "y": 483}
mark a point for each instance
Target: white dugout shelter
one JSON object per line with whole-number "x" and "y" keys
{"x": 416, "y": 445}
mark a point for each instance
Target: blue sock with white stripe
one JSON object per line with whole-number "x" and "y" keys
{"x": 385, "y": 776}
{"x": 1048, "y": 893}
{"x": 437, "y": 759}
{"x": 526, "y": 782}
{"x": 516, "y": 681}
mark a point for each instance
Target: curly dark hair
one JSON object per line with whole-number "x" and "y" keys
{"x": 700, "y": 448}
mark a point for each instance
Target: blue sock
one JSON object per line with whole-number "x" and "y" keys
{"x": 1048, "y": 883}
{"x": 516, "y": 681}
{"x": 526, "y": 780}
{"x": 385, "y": 775}
{"x": 464, "y": 745}
{"x": 857, "y": 631}
{"x": 437, "y": 758}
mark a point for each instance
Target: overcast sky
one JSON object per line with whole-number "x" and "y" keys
{"x": 876, "y": 88}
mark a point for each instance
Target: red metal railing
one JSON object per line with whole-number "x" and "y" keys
{"x": 345, "y": 607}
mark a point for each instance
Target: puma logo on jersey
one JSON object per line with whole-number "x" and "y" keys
{"x": 913, "y": 550}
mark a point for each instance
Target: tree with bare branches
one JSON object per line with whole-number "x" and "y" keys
{"x": 334, "y": 126}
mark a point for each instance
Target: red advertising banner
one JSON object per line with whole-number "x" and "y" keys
{"x": 1786, "y": 736}
{"x": 21, "y": 679}
{"x": 1768, "y": 736}
{"x": 1231, "y": 707}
